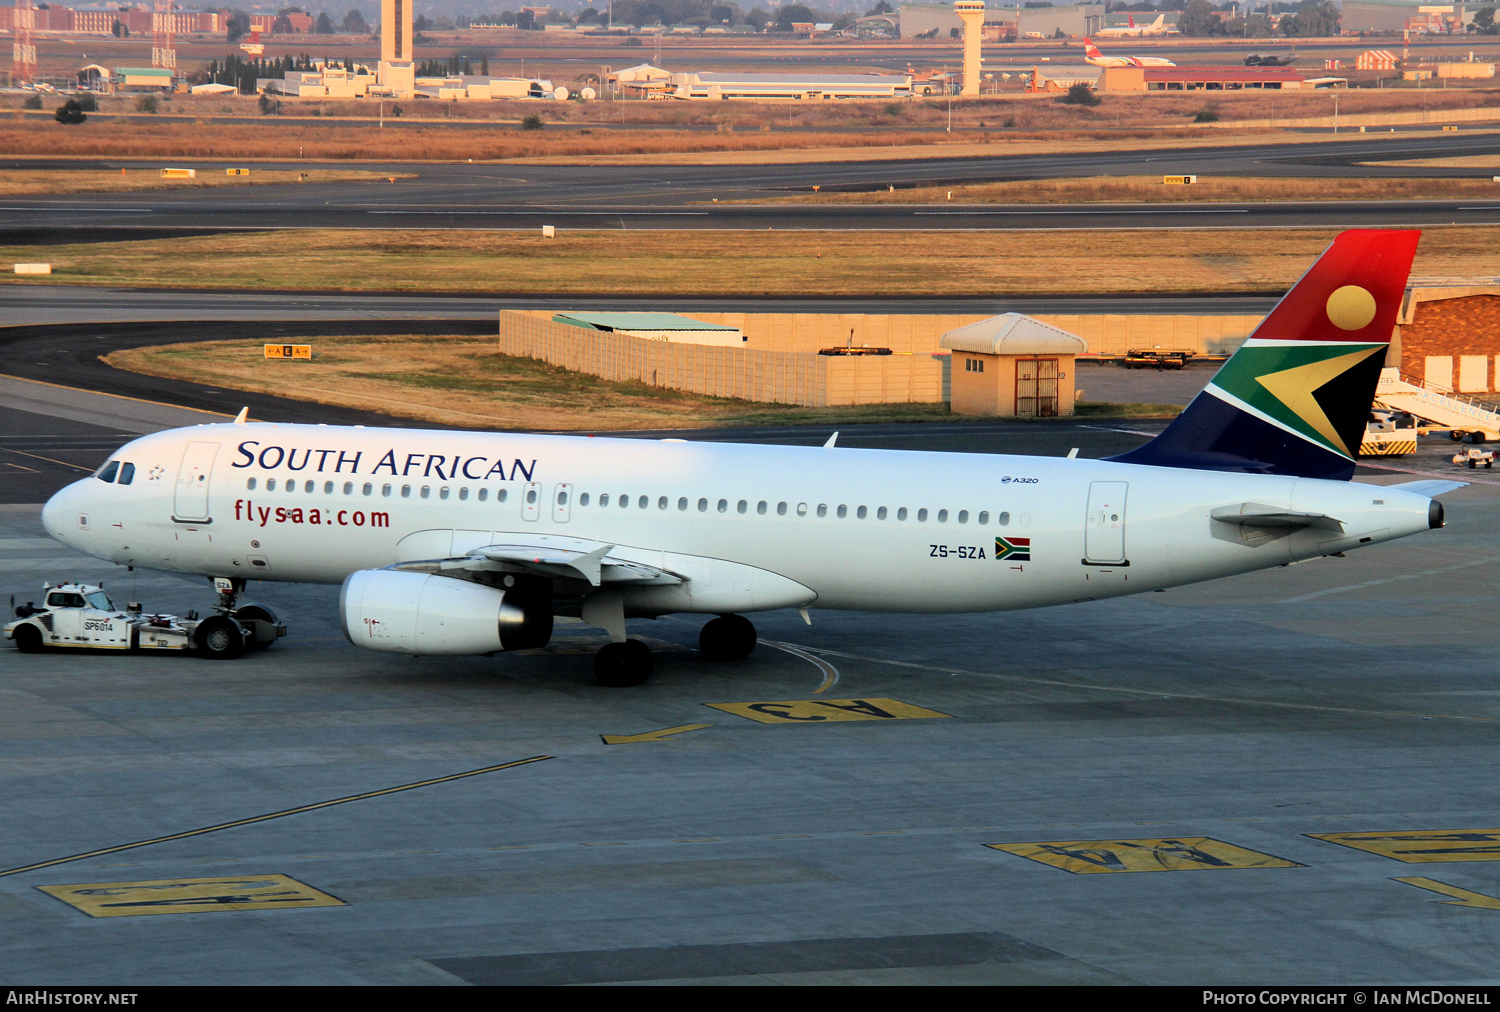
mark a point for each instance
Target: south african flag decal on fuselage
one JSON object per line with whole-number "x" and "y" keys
{"x": 1013, "y": 549}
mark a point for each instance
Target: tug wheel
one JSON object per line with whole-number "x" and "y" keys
{"x": 28, "y": 640}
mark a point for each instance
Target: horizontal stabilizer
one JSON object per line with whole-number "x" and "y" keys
{"x": 1430, "y": 487}
{"x": 1254, "y": 514}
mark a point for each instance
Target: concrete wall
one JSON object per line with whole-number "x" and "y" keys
{"x": 780, "y": 361}
{"x": 754, "y": 374}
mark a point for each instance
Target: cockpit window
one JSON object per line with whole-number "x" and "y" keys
{"x": 108, "y": 471}
{"x": 65, "y": 600}
{"x": 99, "y": 599}
{"x": 127, "y": 473}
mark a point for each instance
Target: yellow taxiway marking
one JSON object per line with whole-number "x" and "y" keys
{"x": 666, "y": 732}
{"x": 801, "y": 711}
{"x": 829, "y": 672}
{"x": 1461, "y": 897}
{"x": 1188, "y": 853}
{"x": 1423, "y": 846}
{"x": 190, "y": 895}
{"x": 271, "y": 815}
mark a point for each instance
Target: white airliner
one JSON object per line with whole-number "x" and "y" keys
{"x": 1133, "y": 30}
{"x": 471, "y": 542}
{"x": 1092, "y": 55}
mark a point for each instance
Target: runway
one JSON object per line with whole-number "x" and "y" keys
{"x": 605, "y": 196}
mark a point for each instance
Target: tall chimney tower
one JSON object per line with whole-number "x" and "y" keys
{"x": 972, "y": 14}
{"x": 397, "y": 71}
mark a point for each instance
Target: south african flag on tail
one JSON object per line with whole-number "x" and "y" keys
{"x": 1295, "y": 397}
{"x": 1013, "y": 549}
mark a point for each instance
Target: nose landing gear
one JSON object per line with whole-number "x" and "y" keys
{"x": 236, "y": 628}
{"x": 727, "y": 638}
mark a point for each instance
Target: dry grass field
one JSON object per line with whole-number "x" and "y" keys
{"x": 18, "y": 182}
{"x": 462, "y": 381}
{"x": 747, "y": 264}
{"x": 218, "y": 128}
{"x": 1150, "y": 189}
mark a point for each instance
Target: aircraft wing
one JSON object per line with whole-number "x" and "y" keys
{"x": 1253, "y": 514}
{"x": 595, "y": 562}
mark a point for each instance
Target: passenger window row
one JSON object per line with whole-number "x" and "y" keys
{"x": 622, "y": 501}
{"x": 703, "y": 505}
{"x": 386, "y": 490}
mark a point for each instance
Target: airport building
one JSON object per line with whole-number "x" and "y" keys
{"x": 790, "y": 87}
{"x": 1448, "y": 335}
{"x": 1394, "y": 17}
{"x": 1210, "y": 79}
{"x": 1013, "y": 366}
{"x": 934, "y": 20}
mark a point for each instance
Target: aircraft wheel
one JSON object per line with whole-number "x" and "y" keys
{"x": 28, "y": 640}
{"x": 619, "y": 665}
{"x": 1477, "y": 437}
{"x": 219, "y": 639}
{"x": 727, "y": 638}
{"x": 256, "y": 612}
{"x": 1455, "y": 435}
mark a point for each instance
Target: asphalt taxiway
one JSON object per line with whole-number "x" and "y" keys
{"x": 1158, "y": 790}
{"x": 670, "y": 197}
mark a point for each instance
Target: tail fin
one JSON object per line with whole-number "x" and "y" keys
{"x": 1089, "y": 49}
{"x": 1295, "y": 397}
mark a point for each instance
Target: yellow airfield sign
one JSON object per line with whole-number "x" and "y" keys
{"x": 190, "y": 895}
{"x": 289, "y": 351}
{"x": 1423, "y": 846}
{"x": 1186, "y": 853}
{"x": 813, "y": 711}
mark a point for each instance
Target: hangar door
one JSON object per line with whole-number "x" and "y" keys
{"x": 1104, "y": 531}
{"x": 190, "y": 501}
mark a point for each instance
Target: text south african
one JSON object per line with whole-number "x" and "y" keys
{"x": 270, "y": 458}
{"x": 1341, "y": 997}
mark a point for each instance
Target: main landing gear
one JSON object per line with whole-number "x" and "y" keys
{"x": 618, "y": 665}
{"x": 727, "y": 638}
{"x": 630, "y": 662}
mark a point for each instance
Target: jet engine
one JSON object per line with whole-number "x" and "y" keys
{"x": 416, "y": 613}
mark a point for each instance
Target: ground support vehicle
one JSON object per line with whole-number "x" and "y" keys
{"x": 1388, "y": 434}
{"x": 1137, "y": 358}
{"x": 1475, "y": 457}
{"x": 81, "y": 615}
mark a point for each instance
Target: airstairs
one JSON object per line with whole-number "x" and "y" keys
{"x": 1442, "y": 407}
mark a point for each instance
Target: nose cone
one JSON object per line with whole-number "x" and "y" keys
{"x": 58, "y": 515}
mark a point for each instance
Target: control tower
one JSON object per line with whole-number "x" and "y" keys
{"x": 972, "y": 14}
{"x": 397, "y": 71}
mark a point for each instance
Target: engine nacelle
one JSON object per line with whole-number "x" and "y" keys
{"x": 415, "y": 613}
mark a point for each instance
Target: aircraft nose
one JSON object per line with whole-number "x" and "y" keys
{"x": 57, "y": 514}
